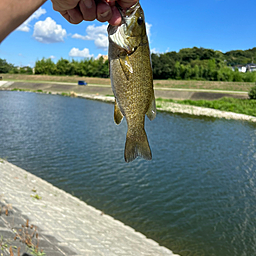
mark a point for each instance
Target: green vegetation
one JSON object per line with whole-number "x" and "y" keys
{"x": 87, "y": 67}
{"x": 34, "y": 251}
{"x": 3, "y": 244}
{"x": 66, "y": 94}
{"x": 203, "y": 64}
{"x": 36, "y": 196}
{"x": 19, "y": 90}
{"x": 240, "y": 106}
{"x": 5, "y": 67}
{"x": 187, "y": 64}
{"x": 240, "y": 57}
{"x": 2, "y": 160}
{"x": 252, "y": 93}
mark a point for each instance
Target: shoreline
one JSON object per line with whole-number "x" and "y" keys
{"x": 182, "y": 109}
{"x": 66, "y": 225}
{"x": 98, "y": 92}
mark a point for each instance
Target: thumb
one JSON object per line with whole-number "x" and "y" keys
{"x": 116, "y": 17}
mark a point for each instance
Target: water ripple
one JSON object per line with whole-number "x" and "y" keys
{"x": 197, "y": 196}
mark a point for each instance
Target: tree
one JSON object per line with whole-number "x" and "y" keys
{"x": 26, "y": 70}
{"x": 45, "y": 66}
{"x": 176, "y": 72}
{"x": 63, "y": 67}
{"x": 196, "y": 73}
{"x": 5, "y": 67}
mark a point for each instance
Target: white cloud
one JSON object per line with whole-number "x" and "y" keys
{"x": 75, "y": 52}
{"x": 154, "y": 50}
{"x": 49, "y": 31}
{"x": 97, "y": 34}
{"x": 100, "y": 35}
{"x": 25, "y": 26}
{"x": 77, "y": 36}
{"x": 99, "y": 55}
{"x": 52, "y": 57}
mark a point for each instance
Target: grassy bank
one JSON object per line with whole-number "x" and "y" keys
{"x": 240, "y": 106}
{"x": 183, "y": 84}
{"x": 206, "y": 85}
{"x": 48, "y": 78}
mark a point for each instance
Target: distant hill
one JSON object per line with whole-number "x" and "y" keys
{"x": 195, "y": 56}
{"x": 241, "y": 57}
{"x": 202, "y": 64}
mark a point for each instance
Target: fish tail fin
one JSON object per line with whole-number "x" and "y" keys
{"x": 137, "y": 145}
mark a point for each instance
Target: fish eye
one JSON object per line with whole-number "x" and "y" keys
{"x": 140, "y": 20}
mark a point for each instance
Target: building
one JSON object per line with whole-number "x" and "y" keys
{"x": 251, "y": 67}
{"x": 241, "y": 68}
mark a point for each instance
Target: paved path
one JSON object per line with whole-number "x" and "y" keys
{"x": 66, "y": 225}
{"x": 160, "y": 92}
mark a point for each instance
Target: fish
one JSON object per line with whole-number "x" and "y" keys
{"x": 132, "y": 79}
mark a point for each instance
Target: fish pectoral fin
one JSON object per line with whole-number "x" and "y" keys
{"x": 118, "y": 116}
{"x": 126, "y": 66}
{"x": 151, "y": 113}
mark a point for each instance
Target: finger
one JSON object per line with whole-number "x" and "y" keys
{"x": 127, "y": 3}
{"x": 111, "y": 2}
{"x": 88, "y": 9}
{"x": 62, "y": 6}
{"x": 73, "y": 16}
{"x": 104, "y": 12}
{"x": 116, "y": 17}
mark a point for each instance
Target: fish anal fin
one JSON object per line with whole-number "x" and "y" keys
{"x": 151, "y": 113}
{"x": 118, "y": 116}
{"x": 126, "y": 66}
{"x": 137, "y": 146}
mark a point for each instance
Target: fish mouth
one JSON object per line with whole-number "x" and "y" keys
{"x": 117, "y": 36}
{"x": 121, "y": 35}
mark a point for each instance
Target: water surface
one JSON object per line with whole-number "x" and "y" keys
{"x": 197, "y": 196}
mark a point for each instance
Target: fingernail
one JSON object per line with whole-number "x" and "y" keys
{"x": 105, "y": 14}
{"x": 88, "y": 3}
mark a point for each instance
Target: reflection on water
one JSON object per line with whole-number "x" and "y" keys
{"x": 197, "y": 196}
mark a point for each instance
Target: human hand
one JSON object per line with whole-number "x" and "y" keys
{"x": 115, "y": 18}
{"x": 76, "y": 11}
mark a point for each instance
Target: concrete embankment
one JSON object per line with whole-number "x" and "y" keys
{"x": 65, "y": 224}
{"x": 100, "y": 92}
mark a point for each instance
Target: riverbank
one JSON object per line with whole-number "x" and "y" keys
{"x": 183, "y": 109}
{"x": 104, "y": 93}
{"x": 66, "y": 226}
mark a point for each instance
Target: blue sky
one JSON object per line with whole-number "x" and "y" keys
{"x": 216, "y": 24}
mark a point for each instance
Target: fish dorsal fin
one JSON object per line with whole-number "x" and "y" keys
{"x": 151, "y": 113}
{"x": 126, "y": 65}
{"x": 118, "y": 116}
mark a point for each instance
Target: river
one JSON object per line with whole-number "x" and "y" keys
{"x": 197, "y": 196}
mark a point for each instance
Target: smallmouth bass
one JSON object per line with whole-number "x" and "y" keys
{"x": 132, "y": 79}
